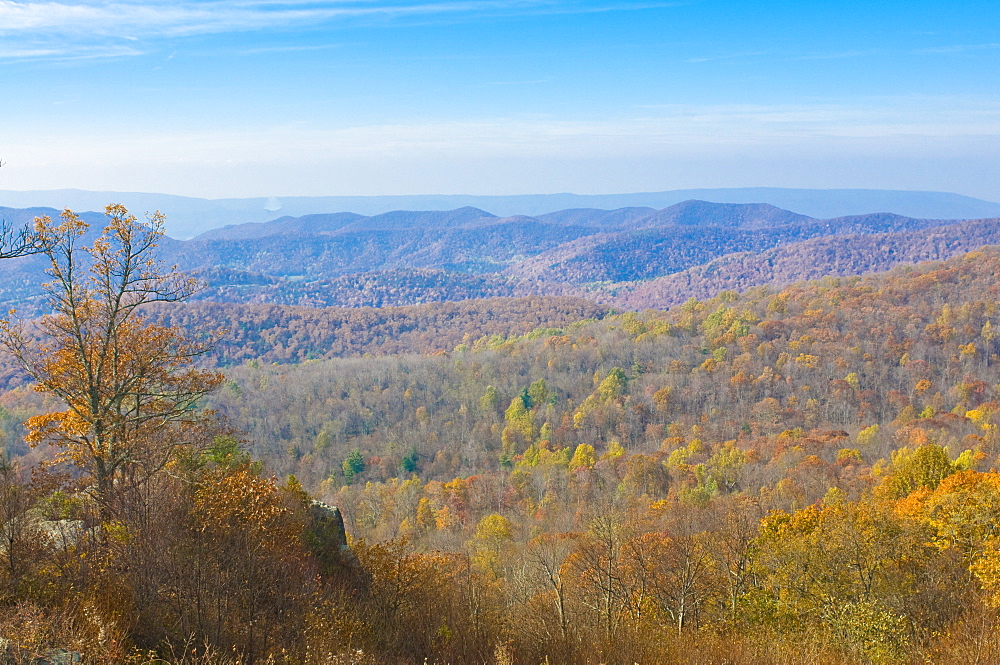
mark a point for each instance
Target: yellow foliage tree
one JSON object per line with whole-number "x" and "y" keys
{"x": 493, "y": 535}
{"x": 583, "y": 457}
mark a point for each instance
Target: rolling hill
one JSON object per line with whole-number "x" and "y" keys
{"x": 630, "y": 257}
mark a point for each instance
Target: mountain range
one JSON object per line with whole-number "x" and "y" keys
{"x": 188, "y": 216}
{"x": 633, "y": 257}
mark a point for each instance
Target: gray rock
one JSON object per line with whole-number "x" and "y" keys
{"x": 62, "y": 534}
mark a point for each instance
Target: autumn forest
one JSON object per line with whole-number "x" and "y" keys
{"x": 804, "y": 472}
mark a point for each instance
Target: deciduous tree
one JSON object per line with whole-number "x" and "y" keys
{"x": 128, "y": 384}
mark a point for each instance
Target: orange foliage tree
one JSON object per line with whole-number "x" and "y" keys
{"x": 129, "y": 387}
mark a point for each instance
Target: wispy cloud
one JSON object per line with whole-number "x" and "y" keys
{"x": 780, "y": 56}
{"x": 837, "y": 55}
{"x": 94, "y": 28}
{"x": 183, "y": 18}
{"x": 863, "y": 118}
{"x": 788, "y": 56}
{"x": 947, "y": 140}
{"x": 677, "y": 128}
{"x": 65, "y": 53}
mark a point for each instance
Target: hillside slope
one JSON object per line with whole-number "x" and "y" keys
{"x": 811, "y": 259}
{"x": 835, "y": 354}
{"x": 651, "y": 253}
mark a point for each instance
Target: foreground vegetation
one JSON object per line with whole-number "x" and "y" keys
{"x": 772, "y": 477}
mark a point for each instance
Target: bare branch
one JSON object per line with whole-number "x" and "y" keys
{"x": 16, "y": 242}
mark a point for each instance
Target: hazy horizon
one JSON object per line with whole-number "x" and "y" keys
{"x": 187, "y": 217}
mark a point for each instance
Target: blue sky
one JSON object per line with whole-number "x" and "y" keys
{"x": 289, "y": 97}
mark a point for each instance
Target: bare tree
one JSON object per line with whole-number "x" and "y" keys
{"x": 16, "y": 241}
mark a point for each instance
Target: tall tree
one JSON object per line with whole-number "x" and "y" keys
{"x": 128, "y": 384}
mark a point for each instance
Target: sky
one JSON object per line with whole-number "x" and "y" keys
{"x": 233, "y": 98}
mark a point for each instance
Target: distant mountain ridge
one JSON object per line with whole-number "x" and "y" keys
{"x": 188, "y": 216}
{"x": 694, "y": 212}
{"x": 343, "y": 222}
{"x": 691, "y": 213}
{"x": 321, "y": 223}
{"x": 632, "y": 257}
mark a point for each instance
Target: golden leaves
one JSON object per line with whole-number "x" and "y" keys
{"x": 129, "y": 385}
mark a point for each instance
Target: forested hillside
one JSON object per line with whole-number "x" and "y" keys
{"x": 783, "y": 475}
{"x": 809, "y": 259}
{"x": 272, "y": 333}
{"x": 839, "y": 354}
{"x": 782, "y": 464}
{"x": 648, "y": 254}
{"x": 386, "y": 288}
{"x": 772, "y": 477}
